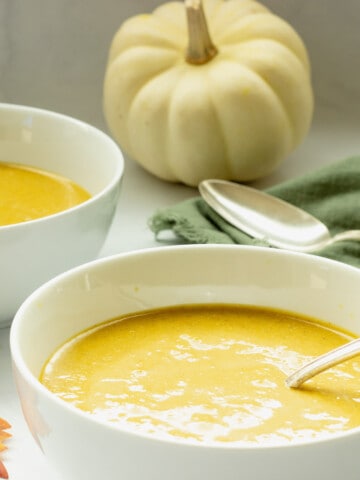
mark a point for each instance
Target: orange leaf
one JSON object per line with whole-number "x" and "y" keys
{"x": 3, "y": 471}
{"x": 4, "y": 425}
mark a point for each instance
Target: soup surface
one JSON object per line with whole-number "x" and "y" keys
{"x": 212, "y": 374}
{"x": 27, "y": 193}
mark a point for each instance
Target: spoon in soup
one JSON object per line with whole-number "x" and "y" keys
{"x": 265, "y": 217}
{"x": 282, "y": 225}
{"x": 323, "y": 362}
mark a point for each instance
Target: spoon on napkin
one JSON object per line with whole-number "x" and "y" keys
{"x": 265, "y": 217}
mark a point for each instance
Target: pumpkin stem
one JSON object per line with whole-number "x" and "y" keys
{"x": 200, "y": 48}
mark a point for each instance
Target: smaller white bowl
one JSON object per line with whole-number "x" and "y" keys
{"x": 84, "y": 448}
{"x": 33, "y": 252}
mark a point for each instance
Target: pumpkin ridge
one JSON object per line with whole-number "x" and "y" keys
{"x": 279, "y": 101}
{"x": 132, "y": 102}
{"x": 143, "y": 30}
{"x": 112, "y": 67}
{"x": 148, "y": 81}
{"x": 132, "y": 48}
{"x": 221, "y": 128}
{"x": 168, "y": 136}
{"x": 274, "y": 93}
{"x": 161, "y": 16}
{"x": 225, "y": 11}
{"x": 269, "y": 40}
{"x": 241, "y": 23}
{"x": 171, "y": 174}
{"x": 218, "y": 29}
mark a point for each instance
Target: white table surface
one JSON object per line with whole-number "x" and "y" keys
{"x": 329, "y": 140}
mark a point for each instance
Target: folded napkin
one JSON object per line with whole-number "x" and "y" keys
{"x": 331, "y": 193}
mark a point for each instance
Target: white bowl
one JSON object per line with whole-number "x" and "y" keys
{"x": 83, "y": 448}
{"x": 35, "y": 251}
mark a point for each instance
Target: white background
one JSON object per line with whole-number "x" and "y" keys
{"x": 53, "y": 55}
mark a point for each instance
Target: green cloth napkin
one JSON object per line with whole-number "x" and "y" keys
{"x": 332, "y": 194}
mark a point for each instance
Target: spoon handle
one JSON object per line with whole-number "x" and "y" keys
{"x": 347, "y": 235}
{"x": 328, "y": 360}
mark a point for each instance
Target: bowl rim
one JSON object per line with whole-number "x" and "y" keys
{"x": 35, "y": 383}
{"x": 115, "y": 180}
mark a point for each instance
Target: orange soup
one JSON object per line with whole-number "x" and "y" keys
{"x": 209, "y": 373}
{"x": 27, "y": 193}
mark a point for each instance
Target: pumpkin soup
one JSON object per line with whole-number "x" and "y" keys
{"x": 209, "y": 373}
{"x": 27, "y": 193}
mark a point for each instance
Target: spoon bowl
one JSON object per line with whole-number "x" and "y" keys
{"x": 267, "y": 218}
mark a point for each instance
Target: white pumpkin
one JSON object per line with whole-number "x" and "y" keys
{"x": 222, "y": 91}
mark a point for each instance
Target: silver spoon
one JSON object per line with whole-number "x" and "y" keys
{"x": 319, "y": 364}
{"x": 282, "y": 225}
{"x": 268, "y": 218}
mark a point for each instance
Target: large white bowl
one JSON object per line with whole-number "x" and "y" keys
{"x": 35, "y": 251}
{"x": 83, "y": 448}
